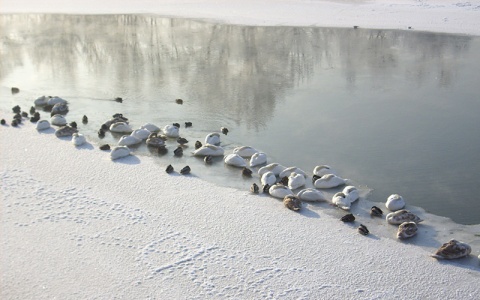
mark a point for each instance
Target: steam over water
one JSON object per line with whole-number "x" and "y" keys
{"x": 395, "y": 111}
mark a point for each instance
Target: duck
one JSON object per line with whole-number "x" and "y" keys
{"x": 185, "y": 170}
{"x": 235, "y": 160}
{"x": 120, "y": 127}
{"x": 310, "y": 194}
{"x": 176, "y": 125}
{"x": 105, "y": 147}
{"x": 78, "y": 139}
{"x": 58, "y": 120}
{"x": 279, "y": 191}
{"x": 101, "y": 133}
{"x": 150, "y": 127}
{"x": 245, "y": 151}
{"x": 56, "y": 100}
{"x": 266, "y": 188}
{"x": 179, "y": 101}
{"x": 73, "y": 124}
{"x": 155, "y": 141}
{"x": 209, "y": 149}
{"x": 363, "y": 230}
{"x": 254, "y": 188}
{"x": 208, "y": 159}
{"x": 292, "y": 202}
{"x": 169, "y": 169}
{"x": 224, "y": 130}
{"x": 295, "y": 180}
{"x": 182, "y": 141}
{"x": 171, "y": 131}
{"x": 275, "y": 168}
{"x": 407, "y": 230}
{"x": 59, "y": 108}
{"x": 42, "y": 125}
{"x": 65, "y": 131}
{"x": 323, "y": 170}
{"x": 188, "y": 124}
{"x": 246, "y": 172}
{"x": 178, "y": 151}
{"x": 213, "y": 138}
{"x": 141, "y": 133}
{"x": 198, "y": 144}
{"x": 119, "y": 152}
{"x": 452, "y": 250}
{"x": 400, "y": 216}
{"x": 268, "y": 178}
{"x": 348, "y": 218}
{"x": 376, "y": 212}
{"x": 290, "y": 170}
{"x": 128, "y": 140}
{"x": 329, "y": 181}
{"x": 395, "y": 202}
{"x": 84, "y": 119}
{"x": 257, "y": 159}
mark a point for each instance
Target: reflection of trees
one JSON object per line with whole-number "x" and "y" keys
{"x": 252, "y": 67}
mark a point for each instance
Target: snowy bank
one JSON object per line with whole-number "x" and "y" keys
{"x": 77, "y": 225}
{"x": 426, "y": 15}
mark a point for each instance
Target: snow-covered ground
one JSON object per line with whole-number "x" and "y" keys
{"x": 87, "y": 227}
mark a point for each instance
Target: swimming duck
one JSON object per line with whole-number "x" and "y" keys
{"x": 84, "y": 119}
{"x": 171, "y": 131}
{"x": 185, "y": 170}
{"x": 292, "y": 202}
{"x": 329, "y": 181}
{"x": 120, "y": 127}
{"x": 182, "y": 141}
{"x": 176, "y": 125}
{"x": 155, "y": 141}
{"x": 178, "y": 151}
{"x": 310, "y": 194}
{"x": 406, "y": 230}
{"x": 101, "y": 133}
{"x": 362, "y": 229}
{"x": 453, "y": 249}
{"x": 245, "y": 151}
{"x": 290, "y": 170}
{"x": 198, "y": 144}
{"x": 141, "y": 133}
{"x": 224, "y": 130}
{"x": 348, "y": 218}
{"x": 208, "y": 159}
{"x": 56, "y": 100}
{"x": 323, "y": 170}
{"x": 150, "y": 127}
{"x": 59, "y": 108}
{"x": 275, "y": 168}
{"x": 169, "y": 169}
{"x": 279, "y": 191}
{"x": 268, "y": 178}
{"x": 209, "y": 149}
{"x": 376, "y": 212}
{"x": 43, "y": 124}
{"x": 401, "y": 216}
{"x": 58, "y": 120}
{"x": 128, "y": 140}
{"x": 213, "y": 138}
{"x": 235, "y": 160}
{"x": 119, "y": 152}
{"x": 188, "y": 124}
{"x": 65, "y": 131}
{"x": 246, "y": 172}
{"x": 395, "y": 202}
{"x": 254, "y": 188}
{"x": 179, "y": 101}
{"x": 258, "y": 159}
{"x": 78, "y": 139}
{"x": 3, "y": 122}
{"x": 295, "y": 180}
{"x": 32, "y": 110}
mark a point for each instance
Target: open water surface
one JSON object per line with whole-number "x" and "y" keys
{"x": 395, "y": 111}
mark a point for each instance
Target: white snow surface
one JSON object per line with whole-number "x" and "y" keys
{"x": 87, "y": 227}
{"x": 425, "y": 15}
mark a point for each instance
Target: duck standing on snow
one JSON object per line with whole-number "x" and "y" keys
{"x": 453, "y": 249}
{"x": 292, "y": 202}
{"x": 407, "y": 230}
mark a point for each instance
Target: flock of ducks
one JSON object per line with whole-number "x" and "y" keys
{"x": 276, "y": 180}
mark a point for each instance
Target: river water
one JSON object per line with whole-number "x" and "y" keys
{"x": 394, "y": 111}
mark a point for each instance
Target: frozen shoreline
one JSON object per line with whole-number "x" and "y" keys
{"x": 88, "y": 227}
{"x": 428, "y": 15}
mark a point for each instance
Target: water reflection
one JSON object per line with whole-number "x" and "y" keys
{"x": 356, "y": 99}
